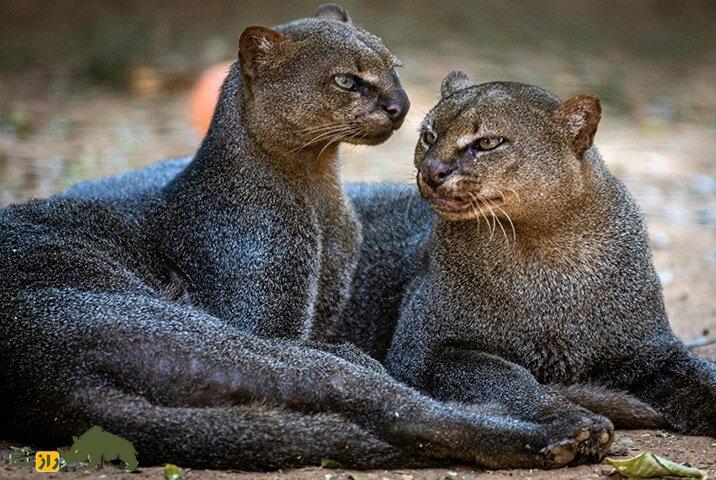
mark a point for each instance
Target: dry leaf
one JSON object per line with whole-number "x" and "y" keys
{"x": 172, "y": 472}
{"x": 649, "y": 465}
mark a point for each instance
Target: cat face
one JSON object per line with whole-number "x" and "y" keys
{"x": 503, "y": 149}
{"x": 320, "y": 81}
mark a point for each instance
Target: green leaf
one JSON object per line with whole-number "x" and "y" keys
{"x": 172, "y": 472}
{"x": 649, "y": 465}
{"x": 328, "y": 463}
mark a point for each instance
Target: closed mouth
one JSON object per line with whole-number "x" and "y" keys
{"x": 450, "y": 204}
{"x": 459, "y": 204}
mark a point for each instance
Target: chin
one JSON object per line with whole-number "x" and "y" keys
{"x": 453, "y": 210}
{"x": 456, "y": 216}
{"x": 372, "y": 138}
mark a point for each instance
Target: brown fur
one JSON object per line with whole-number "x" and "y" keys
{"x": 539, "y": 256}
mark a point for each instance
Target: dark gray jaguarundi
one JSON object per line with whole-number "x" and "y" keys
{"x": 577, "y": 304}
{"x": 596, "y": 326}
{"x": 154, "y": 316}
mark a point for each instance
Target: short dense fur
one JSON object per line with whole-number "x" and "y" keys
{"x": 596, "y": 326}
{"x": 538, "y": 256}
{"x": 154, "y": 314}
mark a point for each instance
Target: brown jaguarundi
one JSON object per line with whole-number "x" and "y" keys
{"x": 537, "y": 262}
{"x": 157, "y": 316}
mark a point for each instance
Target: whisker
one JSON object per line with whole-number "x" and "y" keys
{"x": 493, "y": 227}
{"x": 481, "y": 212}
{"x": 474, "y": 209}
{"x": 405, "y": 189}
{"x": 491, "y": 204}
{"x": 514, "y": 233}
{"x": 509, "y": 219}
{"x": 337, "y": 138}
{"x": 319, "y": 128}
{"x": 323, "y": 136}
{"x": 516, "y": 194}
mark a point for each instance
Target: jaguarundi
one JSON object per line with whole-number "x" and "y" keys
{"x": 178, "y": 318}
{"x": 537, "y": 261}
{"x": 625, "y": 340}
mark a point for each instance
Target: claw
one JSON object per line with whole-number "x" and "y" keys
{"x": 583, "y": 435}
{"x": 562, "y": 453}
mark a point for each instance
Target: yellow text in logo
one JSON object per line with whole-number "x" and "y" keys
{"x": 47, "y": 462}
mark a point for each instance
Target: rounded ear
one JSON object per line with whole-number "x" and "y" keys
{"x": 331, "y": 11}
{"x": 256, "y": 45}
{"x": 453, "y": 82}
{"x": 580, "y": 116}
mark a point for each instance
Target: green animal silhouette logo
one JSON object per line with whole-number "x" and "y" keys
{"x": 97, "y": 445}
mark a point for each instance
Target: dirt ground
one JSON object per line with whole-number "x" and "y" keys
{"x": 669, "y": 168}
{"x": 699, "y": 452}
{"x": 658, "y": 133}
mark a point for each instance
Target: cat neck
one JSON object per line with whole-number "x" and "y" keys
{"x": 583, "y": 230}
{"x": 235, "y": 159}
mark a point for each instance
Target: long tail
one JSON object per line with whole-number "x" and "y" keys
{"x": 623, "y": 409}
{"x": 250, "y": 437}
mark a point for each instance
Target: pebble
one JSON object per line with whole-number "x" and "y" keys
{"x": 665, "y": 276}
{"x": 621, "y": 446}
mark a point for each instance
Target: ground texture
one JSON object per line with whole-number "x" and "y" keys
{"x": 110, "y": 93}
{"x": 697, "y": 451}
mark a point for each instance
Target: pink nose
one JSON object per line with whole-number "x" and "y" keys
{"x": 434, "y": 174}
{"x": 397, "y": 106}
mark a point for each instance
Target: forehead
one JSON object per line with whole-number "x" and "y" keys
{"x": 342, "y": 43}
{"x": 497, "y": 102}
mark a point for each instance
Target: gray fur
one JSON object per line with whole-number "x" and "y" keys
{"x": 155, "y": 313}
{"x": 572, "y": 296}
{"x": 616, "y": 365}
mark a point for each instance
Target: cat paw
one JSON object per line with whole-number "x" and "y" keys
{"x": 582, "y": 437}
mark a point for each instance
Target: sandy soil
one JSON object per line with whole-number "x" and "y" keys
{"x": 669, "y": 168}
{"x": 699, "y": 452}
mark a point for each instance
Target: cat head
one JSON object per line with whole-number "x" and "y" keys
{"x": 317, "y": 81}
{"x": 503, "y": 148}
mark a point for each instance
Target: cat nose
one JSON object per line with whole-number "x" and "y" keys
{"x": 397, "y": 106}
{"x": 434, "y": 174}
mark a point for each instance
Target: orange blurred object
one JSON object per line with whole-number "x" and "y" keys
{"x": 204, "y": 96}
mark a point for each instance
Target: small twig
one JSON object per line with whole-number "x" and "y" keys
{"x": 699, "y": 342}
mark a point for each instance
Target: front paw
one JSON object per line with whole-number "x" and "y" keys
{"x": 577, "y": 437}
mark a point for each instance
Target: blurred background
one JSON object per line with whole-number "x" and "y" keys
{"x": 92, "y": 88}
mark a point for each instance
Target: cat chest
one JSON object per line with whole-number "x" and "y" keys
{"x": 549, "y": 331}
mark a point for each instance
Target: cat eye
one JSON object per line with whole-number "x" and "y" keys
{"x": 488, "y": 143}
{"x": 345, "y": 81}
{"x": 429, "y": 137}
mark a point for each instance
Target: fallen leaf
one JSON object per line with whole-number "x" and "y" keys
{"x": 172, "y": 472}
{"x": 649, "y": 465}
{"x": 328, "y": 463}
